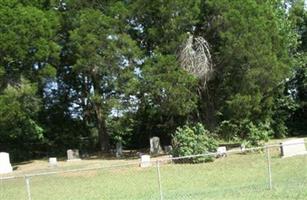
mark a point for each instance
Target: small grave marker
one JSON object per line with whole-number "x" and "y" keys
{"x": 221, "y": 151}
{"x": 73, "y": 155}
{"x": 293, "y": 148}
{"x": 53, "y": 162}
{"x": 168, "y": 149}
{"x": 145, "y": 161}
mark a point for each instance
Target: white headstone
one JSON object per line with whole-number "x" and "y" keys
{"x": 145, "y": 161}
{"x": 5, "y": 165}
{"x": 155, "y": 147}
{"x": 53, "y": 162}
{"x": 293, "y": 148}
{"x": 73, "y": 155}
{"x": 221, "y": 151}
{"x": 242, "y": 147}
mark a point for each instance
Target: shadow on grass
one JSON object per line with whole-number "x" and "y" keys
{"x": 15, "y": 164}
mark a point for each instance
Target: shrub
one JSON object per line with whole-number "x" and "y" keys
{"x": 192, "y": 141}
{"x": 228, "y": 131}
{"x": 245, "y": 131}
{"x": 257, "y": 135}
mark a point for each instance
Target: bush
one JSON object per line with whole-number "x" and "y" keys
{"x": 245, "y": 132}
{"x": 192, "y": 141}
{"x": 257, "y": 135}
{"x": 228, "y": 131}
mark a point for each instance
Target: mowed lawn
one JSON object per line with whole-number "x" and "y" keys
{"x": 238, "y": 176}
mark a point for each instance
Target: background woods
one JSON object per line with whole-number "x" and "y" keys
{"x": 90, "y": 73}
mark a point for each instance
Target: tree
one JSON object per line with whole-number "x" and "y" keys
{"x": 166, "y": 94}
{"x": 252, "y": 50}
{"x": 19, "y": 129}
{"x": 28, "y": 50}
{"x": 105, "y": 61}
{"x": 27, "y": 41}
{"x": 297, "y": 85}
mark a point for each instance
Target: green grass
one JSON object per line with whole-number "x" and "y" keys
{"x": 234, "y": 177}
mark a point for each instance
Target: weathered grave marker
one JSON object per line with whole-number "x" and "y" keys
{"x": 73, "y": 155}
{"x": 119, "y": 149}
{"x": 293, "y": 148}
{"x": 221, "y": 151}
{"x": 168, "y": 149}
{"x": 155, "y": 147}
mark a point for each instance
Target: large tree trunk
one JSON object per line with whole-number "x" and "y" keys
{"x": 104, "y": 139}
{"x": 207, "y": 109}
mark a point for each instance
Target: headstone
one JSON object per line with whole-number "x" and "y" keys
{"x": 145, "y": 161}
{"x": 242, "y": 147}
{"x": 119, "y": 149}
{"x": 155, "y": 147}
{"x": 168, "y": 149}
{"x": 53, "y": 162}
{"x": 5, "y": 165}
{"x": 293, "y": 148}
{"x": 221, "y": 151}
{"x": 73, "y": 155}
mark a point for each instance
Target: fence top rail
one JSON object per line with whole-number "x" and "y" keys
{"x": 67, "y": 171}
{"x": 156, "y": 160}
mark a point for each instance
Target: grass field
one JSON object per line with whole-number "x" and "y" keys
{"x": 238, "y": 176}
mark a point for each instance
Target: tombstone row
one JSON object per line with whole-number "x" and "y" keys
{"x": 288, "y": 148}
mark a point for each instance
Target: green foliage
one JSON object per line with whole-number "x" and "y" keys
{"x": 284, "y": 107}
{"x": 105, "y": 57}
{"x": 167, "y": 88}
{"x": 228, "y": 131}
{"x": 167, "y": 95}
{"x": 162, "y": 25}
{"x": 27, "y": 38}
{"x": 257, "y": 135}
{"x": 121, "y": 128}
{"x": 245, "y": 132}
{"x": 193, "y": 141}
{"x": 86, "y": 60}
{"x": 297, "y": 86}
{"x": 254, "y": 51}
{"x": 28, "y": 52}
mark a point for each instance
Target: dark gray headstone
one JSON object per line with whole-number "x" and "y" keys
{"x": 119, "y": 149}
{"x": 155, "y": 147}
{"x": 168, "y": 149}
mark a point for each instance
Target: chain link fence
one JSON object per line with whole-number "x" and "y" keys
{"x": 255, "y": 173}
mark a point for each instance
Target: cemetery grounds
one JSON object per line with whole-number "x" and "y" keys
{"x": 237, "y": 176}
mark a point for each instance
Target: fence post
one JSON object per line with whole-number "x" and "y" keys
{"x": 159, "y": 179}
{"x": 27, "y": 179}
{"x": 1, "y": 186}
{"x": 268, "y": 158}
